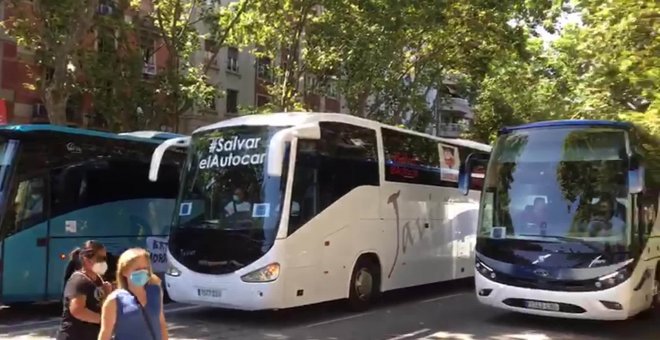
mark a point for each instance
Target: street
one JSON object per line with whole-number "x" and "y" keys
{"x": 448, "y": 311}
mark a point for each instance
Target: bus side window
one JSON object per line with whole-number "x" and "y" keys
{"x": 325, "y": 169}
{"x": 26, "y": 206}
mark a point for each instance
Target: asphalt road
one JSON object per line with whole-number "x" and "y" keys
{"x": 436, "y": 312}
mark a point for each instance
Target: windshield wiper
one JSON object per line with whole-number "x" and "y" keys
{"x": 567, "y": 239}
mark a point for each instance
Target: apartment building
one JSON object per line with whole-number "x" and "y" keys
{"x": 242, "y": 80}
{"x": 18, "y": 72}
{"x": 453, "y": 114}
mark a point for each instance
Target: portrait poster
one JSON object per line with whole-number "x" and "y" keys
{"x": 449, "y": 162}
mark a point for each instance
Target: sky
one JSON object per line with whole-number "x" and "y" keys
{"x": 565, "y": 18}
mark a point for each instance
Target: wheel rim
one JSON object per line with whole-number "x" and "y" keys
{"x": 363, "y": 284}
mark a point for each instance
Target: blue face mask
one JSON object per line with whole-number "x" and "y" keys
{"x": 139, "y": 277}
{"x": 236, "y": 198}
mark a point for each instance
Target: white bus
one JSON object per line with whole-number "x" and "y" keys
{"x": 568, "y": 225}
{"x": 290, "y": 209}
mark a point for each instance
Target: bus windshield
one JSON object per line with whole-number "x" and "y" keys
{"x": 559, "y": 185}
{"x": 229, "y": 206}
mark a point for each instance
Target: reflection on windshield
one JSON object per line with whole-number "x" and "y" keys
{"x": 7, "y": 153}
{"x": 564, "y": 182}
{"x": 227, "y": 177}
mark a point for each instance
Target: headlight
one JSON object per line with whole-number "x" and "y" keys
{"x": 266, "y": 274}
{"x": 484, "y": 269}
{"x": 172, "y": 270}
{"x": 616, "y": 278}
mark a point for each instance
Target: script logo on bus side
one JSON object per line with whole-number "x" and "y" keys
{"x": 247, "y": 149}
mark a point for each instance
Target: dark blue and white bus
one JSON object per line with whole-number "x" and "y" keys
{"x": 568, "y": 220}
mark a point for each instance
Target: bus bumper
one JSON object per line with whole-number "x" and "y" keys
{"x": 223, "y": 291}
{"x": 573, "y": 305}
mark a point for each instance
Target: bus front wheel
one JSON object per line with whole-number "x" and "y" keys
{"x": 655, "y": 302}
{"x": 655, "y": 297}
{"x": 364, "y": 286}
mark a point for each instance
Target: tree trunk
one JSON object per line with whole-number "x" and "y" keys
{"x": 55, "y": 103}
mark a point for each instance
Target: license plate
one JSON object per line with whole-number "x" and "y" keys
{"x": 542, "y": 305}
{"x": 212, "y": 293}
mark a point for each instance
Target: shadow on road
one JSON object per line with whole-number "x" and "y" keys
{"x": 29, "y": 312}
{"x": 637, "y": 328}
{"x": 336, "y": 309}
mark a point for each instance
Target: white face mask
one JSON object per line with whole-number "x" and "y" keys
{"x": 100, "y": 268}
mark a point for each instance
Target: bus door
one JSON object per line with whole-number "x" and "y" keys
{"x": 26, "y": 242}
{"x": 7, "y": 153}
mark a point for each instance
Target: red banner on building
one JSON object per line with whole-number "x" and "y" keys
{"x": 3, "y": 112}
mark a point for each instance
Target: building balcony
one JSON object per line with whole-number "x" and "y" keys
{"x": 450, "y": 130}
{"x": 149, "y": 69}
{"x": 458, "y": 105}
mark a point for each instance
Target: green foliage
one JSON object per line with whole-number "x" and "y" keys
{"x": 53, "y": 30}
{"x": 277, "y": 30}
{"x": 607, "y": 68}
{"x": 388, "y": 55}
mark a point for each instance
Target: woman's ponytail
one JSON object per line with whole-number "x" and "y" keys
{"x": 73, "y": 265}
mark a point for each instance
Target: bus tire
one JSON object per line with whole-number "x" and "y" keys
{"x": 364, "y": 287}
{"x": 655, "y": 294}
{"x": 166, "y": 295}
{"x": 654, "y": 307}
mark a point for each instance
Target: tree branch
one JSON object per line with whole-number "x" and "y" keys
{"x": 225, "y": 35}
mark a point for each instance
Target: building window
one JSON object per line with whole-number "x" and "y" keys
{"x": 210, "y": 104}
{"x": 149, "y": 57}
{"x": 232, "y": 101}
{"x": 310, "y": 83}
{"x": 232, "y": 59}
{"x": 331, "y": 89}
{"x": 262, "y": 100}
{"x": 210, "y": 48}
{"x": 263, "y": 68}
{"x": 106, "y": 40}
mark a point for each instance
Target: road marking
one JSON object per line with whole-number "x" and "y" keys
{"x": 337, "y": 320}
{"x": 56, "y": 320}
{"x": 444, "y": 297}
{"x": 410, "y": 335}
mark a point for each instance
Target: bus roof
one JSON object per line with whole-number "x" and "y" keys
{"x": 160, "y": 135}
{"x": 138, "y": 136}
{"x": 567, "y": 122}
{"x": 298, "y": 118}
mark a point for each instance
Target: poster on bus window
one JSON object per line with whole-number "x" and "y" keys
{"x": 449, "y": 162}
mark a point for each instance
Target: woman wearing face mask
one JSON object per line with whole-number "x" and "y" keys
{"x": 84, "y": 292}
{"x": 135, "y": 310}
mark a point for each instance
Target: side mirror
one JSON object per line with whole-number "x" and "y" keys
{"x": 465, "y": 174}
{"x": 158, "y": 154}
{"x": 636, "y": 179}
{"x": 276, "y": 147}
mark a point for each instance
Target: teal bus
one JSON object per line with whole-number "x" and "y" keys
{"x": 60, "y": 186}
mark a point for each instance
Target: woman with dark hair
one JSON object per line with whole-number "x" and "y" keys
{"x": 84, "y": 292}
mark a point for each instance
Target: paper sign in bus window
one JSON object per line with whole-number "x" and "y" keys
{"x": 71, "y": 226}
{"x": 498, "y": 232}
{"x": 449, "y": 162}
{"x": 185, "y": 209}
{"x": 261, "y": 210}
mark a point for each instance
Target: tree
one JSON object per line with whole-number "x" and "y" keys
{"x": 275, "y": 31}
{"x": 605, "y": 68}
{"x": 54, "y": 30}
{"x": 616, "y": 57}
{"x": 389, "y": 55}
{"x": 184, "y": 83}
